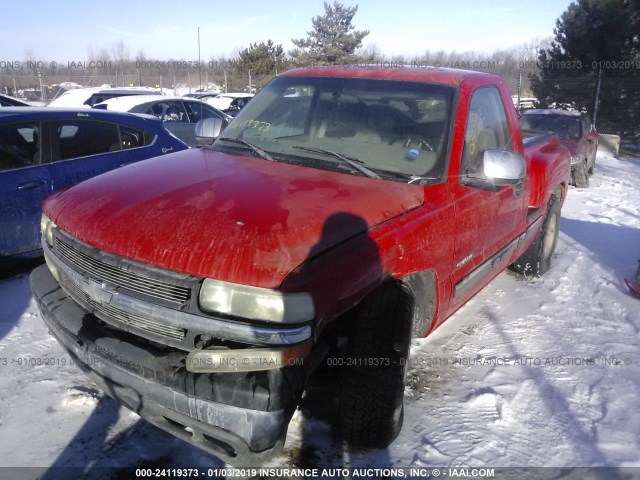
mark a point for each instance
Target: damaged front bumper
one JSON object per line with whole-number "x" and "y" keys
{"x": 241, "y": 417}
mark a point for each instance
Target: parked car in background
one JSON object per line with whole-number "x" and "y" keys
{"x": 634, "y": 286}
{"x": 43, "y": 150}
{"x": 88, "y": 97}
{"x": 576, "y": 133}
{"x": 8, "y": 101}
{"x": 230, "y": 103}
{"x": 178, "y": 114}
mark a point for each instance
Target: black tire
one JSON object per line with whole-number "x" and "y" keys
{"x": 537, "y": 259}
{"x": 580, "y": 175}
{"x": 371, "y": 399}
{"x": 593, "y": 163}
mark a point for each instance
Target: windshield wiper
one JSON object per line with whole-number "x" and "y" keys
{"x": 420, "y": 180}
{"x": 409, "y": 178}
{"x": 353, "y": 162}
{"x": 255, "y": 149}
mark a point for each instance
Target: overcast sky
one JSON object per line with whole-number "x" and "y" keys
{"x": 68, "y": 29}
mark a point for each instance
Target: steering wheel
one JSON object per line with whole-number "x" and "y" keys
{"x": 409, "y": 140}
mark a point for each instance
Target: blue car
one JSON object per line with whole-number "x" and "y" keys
{"x": 43, "y": 150}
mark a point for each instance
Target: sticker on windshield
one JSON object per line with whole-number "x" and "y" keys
{"x": 257, "y": 124}
{"x": 412, "y": 153}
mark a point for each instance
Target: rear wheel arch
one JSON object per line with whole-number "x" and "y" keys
{"x": 536, "y": 260}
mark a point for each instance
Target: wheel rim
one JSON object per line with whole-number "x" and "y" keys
{"x": 550, "y": 237}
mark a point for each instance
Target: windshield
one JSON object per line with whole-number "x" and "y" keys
{"x": 562, "y": 125}
{"x": 396, "y": 129}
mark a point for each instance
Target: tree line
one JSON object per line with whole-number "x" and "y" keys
{"x": 592, "y": 62}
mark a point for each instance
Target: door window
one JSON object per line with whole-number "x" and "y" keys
{"x": 199, "y": 111}
{"x": 586, "y": 125}
{"x": 19, "y": 145}
{"x": 487, "y": 128}
{"x": 169, "y": 111}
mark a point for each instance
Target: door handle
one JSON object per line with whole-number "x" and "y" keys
{"x": 32, "y": 184}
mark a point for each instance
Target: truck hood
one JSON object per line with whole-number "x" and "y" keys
{"x": 239, "y": 219}
{"x": 572, "y": 145}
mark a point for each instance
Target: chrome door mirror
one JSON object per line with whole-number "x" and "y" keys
{"x": 207, "y": 130}
{"x": 499, "y": 168}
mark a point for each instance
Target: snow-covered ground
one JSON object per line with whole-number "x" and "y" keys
{"x": 532, "y": 372}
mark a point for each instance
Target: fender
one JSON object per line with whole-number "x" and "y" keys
{"x": 550, "y": 167}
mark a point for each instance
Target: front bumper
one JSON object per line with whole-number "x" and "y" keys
{"x": 242, "y": 418}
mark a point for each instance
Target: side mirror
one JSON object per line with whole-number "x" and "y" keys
{"x": 592, "y": 135}
{"x": 207, "y": 130}
{"x": 499, "y": 168}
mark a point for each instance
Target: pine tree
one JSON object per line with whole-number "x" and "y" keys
{"x": 596, "y": 43}
{"x": 333, "y": 39}
{"x": 262, "y": 59}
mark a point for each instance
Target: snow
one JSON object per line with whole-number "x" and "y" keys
{"x": 531, "y": 372}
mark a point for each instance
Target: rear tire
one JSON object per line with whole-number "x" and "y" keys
{"x": 371, "y": 402}
{"x": 537, "y": 259}
{"x": 580, "y": 175}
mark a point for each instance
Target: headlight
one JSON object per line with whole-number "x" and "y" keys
{"x": 255, "y": 303}
{"x": 576, "y": 159}
{"x": 46, "y": 228}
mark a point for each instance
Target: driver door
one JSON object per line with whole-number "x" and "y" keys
{"x": 487, "y": 218}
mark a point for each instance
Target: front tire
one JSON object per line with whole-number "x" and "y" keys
{"x": 371, "y": 403}
{"x": 580, "y": 175}
{"x": 593, "y": 159}
{"x": 537, "y": 259}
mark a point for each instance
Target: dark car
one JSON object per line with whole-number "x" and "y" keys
{"x": 44, "y": 149}
{"x": 576, "y": 133}
{"x": 179, "y": 114}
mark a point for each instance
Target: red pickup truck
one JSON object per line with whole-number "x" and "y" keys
{"x": 343, "y": 212}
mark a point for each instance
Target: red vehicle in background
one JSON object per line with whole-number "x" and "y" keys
{"x": 634, "y": 286}
{"x": 576, "y": 133}
{"x": 341, "y": 213}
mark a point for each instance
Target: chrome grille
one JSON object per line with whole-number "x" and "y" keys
{"x": 121, "y": 278}
{"x": 127, "y": 318}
